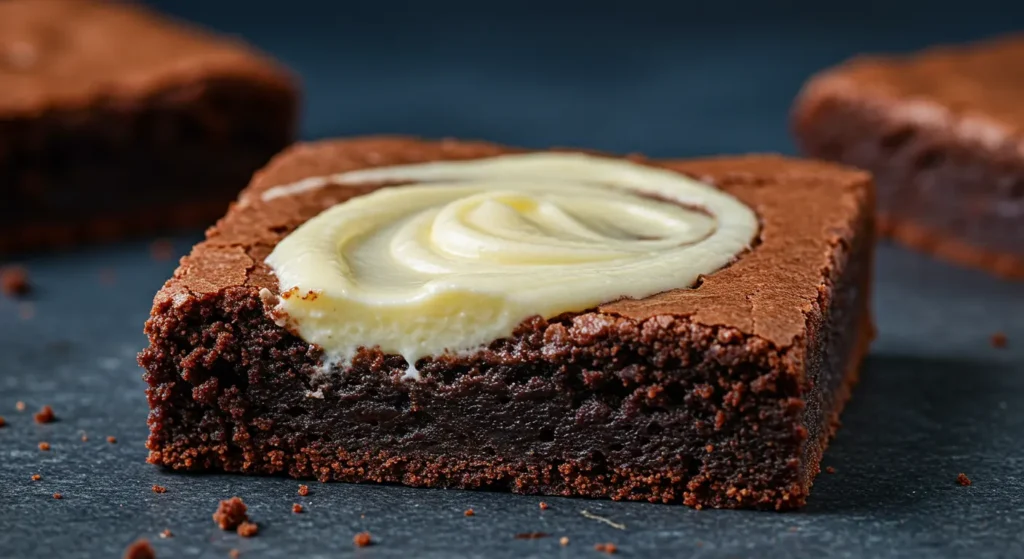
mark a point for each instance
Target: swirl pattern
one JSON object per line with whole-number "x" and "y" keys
{"x": 478, "y": 246}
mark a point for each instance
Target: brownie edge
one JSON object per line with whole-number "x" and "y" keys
{"x": 605, "y": 403}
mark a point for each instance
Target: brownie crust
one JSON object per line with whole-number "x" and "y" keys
{"x": 115, "y": 121}
{"x": 724, "y": 395}
{"x": 943, "y": 133}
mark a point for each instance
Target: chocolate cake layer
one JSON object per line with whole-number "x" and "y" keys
{"x": 943, "y": 133}
{"x": 723, "y": 395}
{"x": 114, "y": 121}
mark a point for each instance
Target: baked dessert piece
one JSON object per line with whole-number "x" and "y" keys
{"x": 114, "y": 120}
{"x": 943, "y": 133}
{"x": 723, "y": 395}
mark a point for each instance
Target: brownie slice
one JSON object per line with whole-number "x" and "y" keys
{"x": 723, "y": 395}
{"x": 114, "y": 120}
{"x": 943, "y": 133}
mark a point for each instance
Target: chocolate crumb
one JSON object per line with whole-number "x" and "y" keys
{"x": 44, "y": 415}
{"x": 58, "y": 496}
{"x": 248, "y": 529}
{"x": 159, "y": 489}
{"x": 469, "y": 512}
{"x": 234, "y": 554}
{"x": 296, "y": 508}
{"x": 14, "y": 281}
{"x": 44, "y": 446}
{"x": 3, "y": 422}
{"x": 161, "y": 250}
{"x": 563, "y": 541}
{"x": 362, "y": 539}
{"x": 20, "y": 406}
{"x": 140, "y": 549}
{"x": 609, "y": 548}
{"x": 112, "y": 440}
{"x": 543, "y": 505}
{"x": 999, "y": 340}
{"x": 36, "y": 477}
{"x": 830, "y": 470}
{"x": 303, "y": 490}
{"x": 963, "y": 480}
{"x": 166, "y": 534}
{"x": 531, "y": 535}
{"x": 230, "y": 513}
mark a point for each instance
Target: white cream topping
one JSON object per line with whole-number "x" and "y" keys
{"x": 481, "y": 245}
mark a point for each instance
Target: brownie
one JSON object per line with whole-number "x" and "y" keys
{"x": 721, "y": 395}
{"x": 114, "y": 120}
{"x": 943, "y": 133}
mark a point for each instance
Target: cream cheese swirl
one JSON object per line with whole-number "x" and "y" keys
{"x": 478, "y": 246}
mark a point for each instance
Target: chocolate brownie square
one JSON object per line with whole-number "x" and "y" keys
{"x": 943, "y": 133}
{"x": 114, "y": 120}
{"x": 722, "y": 391}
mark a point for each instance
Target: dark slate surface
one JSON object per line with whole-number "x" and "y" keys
{"x": 936, "y": 398}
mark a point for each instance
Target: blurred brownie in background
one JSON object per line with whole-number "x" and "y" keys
{"x": 114, "y": 120}
{"x": 943, "y": 132}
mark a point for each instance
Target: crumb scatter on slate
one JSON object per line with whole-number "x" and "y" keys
{"x": 248, "y": 529}
{"x": 303, "y": 490}
{"x": 14, "y": 281}
{"x": 140, "y": 549}
{"x": 44, "y": 446}
{"x": 362, "y": 539}
{"x": 963, "y": 480}
{"x": 159, "y": 489}
{"x": 44, "y": 415}
{"x": 230, "y": 513}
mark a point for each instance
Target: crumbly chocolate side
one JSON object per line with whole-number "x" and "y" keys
{"x": 950, "y": 171}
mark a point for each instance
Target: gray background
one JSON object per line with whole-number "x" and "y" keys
{"x": 667, "y": 79}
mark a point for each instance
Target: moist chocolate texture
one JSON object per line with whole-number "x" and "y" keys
{"x": 115, "y": 121}
{"x": 724, "y": 395}
{"x": 943, "y": 133}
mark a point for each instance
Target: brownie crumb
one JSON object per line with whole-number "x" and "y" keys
{"x": 362, "y": 539}
{"x": 963, "y": 480}
{"x": 563, "y": 541}
{"x": 830, "y": 470}
{"x": 161, "y": 250}
{"x": 531, "y": 535}
{"x": 112, "y": 440}
{"x": 999, "y": 340}
{"x": 609, "y": 548}
{"x": 140, "y": 549}
{"x": 44, "y": 415}
{"x": 3, "y": 422}
{"x": 58, "y": 496}
{"x": 469, "y": 512}
{"x": 543, "y": 506}
{"x": 166, "y": 534}
{"x": 248, "y": 529}
{"x": 159, "y": 489}
{"x": 303, "y": 490}
{"x": 20, "y": 406}
{"x": 234, "y": 554}
{"x": 14, "y": 281}
{"x": 44, "y": 446}
{"x": 296, "y": 508}
{"x": 36, "y": 477}
{"x": 230, "y": 513}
